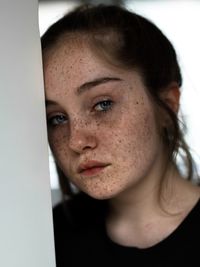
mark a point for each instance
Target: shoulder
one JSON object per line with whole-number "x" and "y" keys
{"x": 78, "y": 211}
{"x": 77, "y": 228}
{"x": 194, "y": 214}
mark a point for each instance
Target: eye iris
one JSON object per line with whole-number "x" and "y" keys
{"x": 60, "y": 119}
{"x": 56, "y": 120}
{"x": 105, "y": 105}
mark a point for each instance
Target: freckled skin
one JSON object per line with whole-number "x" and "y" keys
{"x": 125, "y": 137}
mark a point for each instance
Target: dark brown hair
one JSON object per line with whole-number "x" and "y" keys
{"x": 130, "y": 41}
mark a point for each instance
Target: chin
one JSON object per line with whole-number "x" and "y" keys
{"x": 101, "y": 194}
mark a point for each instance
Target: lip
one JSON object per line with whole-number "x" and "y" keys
{"x": 91, "y": 168}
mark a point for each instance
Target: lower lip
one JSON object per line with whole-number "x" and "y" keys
{"x": 92, "y": 171}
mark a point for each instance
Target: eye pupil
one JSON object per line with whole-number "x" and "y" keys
{"x": 60, "y": 118}
{"x": 105, "y": 105}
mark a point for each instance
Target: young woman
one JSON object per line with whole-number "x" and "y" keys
{"x": 112, "y": 86}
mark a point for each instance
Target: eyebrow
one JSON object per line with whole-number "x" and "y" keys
{"x": 89, "y": 85}
{"x": 50, "y": 103}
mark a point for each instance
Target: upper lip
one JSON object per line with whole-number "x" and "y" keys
{"x": 91, "y": 164}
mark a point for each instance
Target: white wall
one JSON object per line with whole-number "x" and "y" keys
{"x": 26, "y": 232}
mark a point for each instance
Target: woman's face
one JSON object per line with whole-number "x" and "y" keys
{"x": 101, "y": 122}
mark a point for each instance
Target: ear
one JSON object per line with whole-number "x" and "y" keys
{"x": 171, "y": 96}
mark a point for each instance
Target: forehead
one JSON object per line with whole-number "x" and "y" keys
{"x": 72, "y": 62}
{"x": 70, "y": 59}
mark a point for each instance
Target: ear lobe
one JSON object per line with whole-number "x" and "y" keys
{"x": 171, "y": 96}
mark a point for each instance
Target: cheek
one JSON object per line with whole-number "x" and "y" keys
{"x": 58, "y": 141}
{"x": 135, "y": 137}
{"x": 145, "y": 127}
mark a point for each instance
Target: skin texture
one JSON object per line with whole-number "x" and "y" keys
{"x": 125, "y": 136}
{"x": 100, "y": 113}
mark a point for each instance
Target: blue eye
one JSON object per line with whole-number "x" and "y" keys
{"x": 103, "y": 105}
{"x": 57, "y": 120}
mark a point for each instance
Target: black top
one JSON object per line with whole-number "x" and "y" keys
{"x": 81, "y": 239}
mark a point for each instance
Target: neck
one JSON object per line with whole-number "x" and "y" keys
{"x": 147, "y": 195}
{"x": 148, "y": 213}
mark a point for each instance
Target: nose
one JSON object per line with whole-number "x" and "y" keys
{"x": 82, "y": 138}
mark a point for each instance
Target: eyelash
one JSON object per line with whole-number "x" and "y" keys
{"x": 109, "y": 104}
{"x": 54, "y": 120}
{"x": 51, "y": 121}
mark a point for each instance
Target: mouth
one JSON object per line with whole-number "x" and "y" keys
{"x": 91, "y": 168}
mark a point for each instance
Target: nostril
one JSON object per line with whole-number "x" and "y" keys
{"x": 87, "y": 147}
